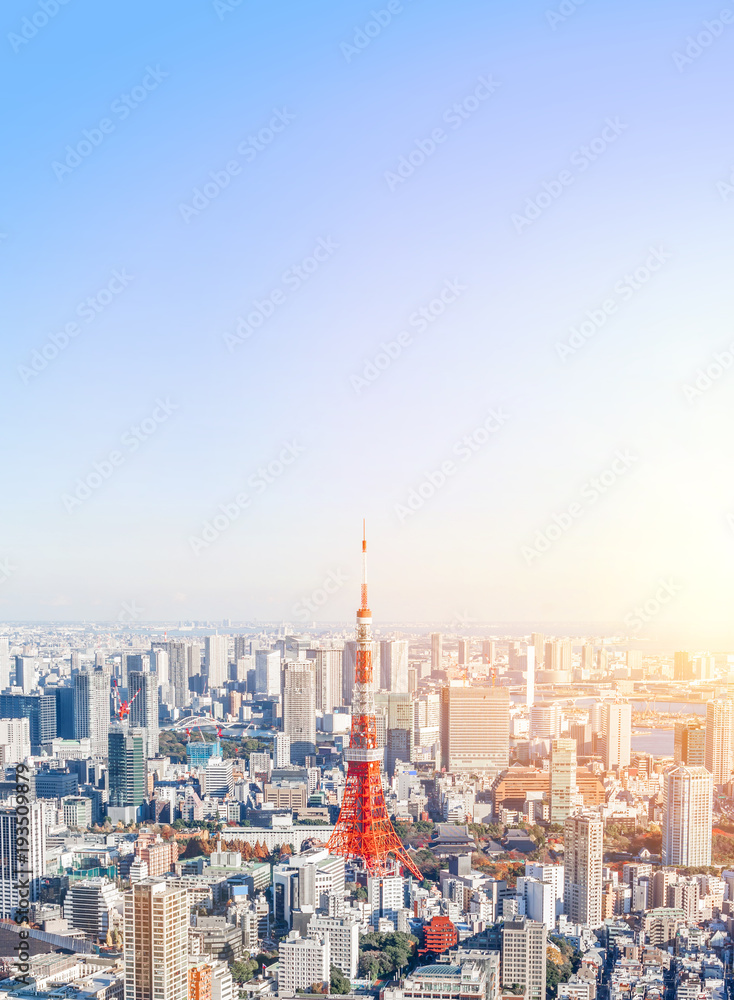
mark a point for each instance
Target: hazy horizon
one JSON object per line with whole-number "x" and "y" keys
{"x": 463, "y": 271}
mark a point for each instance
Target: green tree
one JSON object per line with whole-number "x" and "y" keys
{"x": 243, "y": 970}
{"x": 339, "y": 982}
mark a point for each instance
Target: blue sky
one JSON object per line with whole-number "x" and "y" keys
{"x": 202, "y": 79}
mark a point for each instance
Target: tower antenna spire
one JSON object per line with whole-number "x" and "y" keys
{"x": 364, "y": 603}
{"x": 364, "y": 831}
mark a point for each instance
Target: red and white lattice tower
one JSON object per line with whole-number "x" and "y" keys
{"x": 364, "y": 831}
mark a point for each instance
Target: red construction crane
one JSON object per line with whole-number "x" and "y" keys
{"x": 122, "y": 708}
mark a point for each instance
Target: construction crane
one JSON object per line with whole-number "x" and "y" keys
{"x": 122, "y": 708}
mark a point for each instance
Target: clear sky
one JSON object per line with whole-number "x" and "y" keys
{"x": 313, "y": 176}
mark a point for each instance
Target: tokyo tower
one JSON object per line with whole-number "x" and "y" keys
{"x": 363, "y": 830}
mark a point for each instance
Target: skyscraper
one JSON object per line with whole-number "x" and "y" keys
{"x": 587, "y": 657}
{"x": 617, "y": 729}
{"x": 299, "y": 708}
{"x": 128, "y": 773}
{"x": 436, "y": 652}
{"x": 178, "y": 672}
{"x": 682, "y": 666}
{"x": 563, "y": 788}
{"x": 92, "y": 708}
{"x": 156, "y": 941}
{"x": 394, "y": 665}
{"x": 719, "y": 716}
{"x": 143, "y": 688}
{"x": 475, "y": 728}
{"x": 33, "y": 860}
{"x": 582, "y": 860}
{"x": 216, "y": 658}
{"x": 689, "y": 746}
{"x": 25, "y": 673}
{"x": 4, "y": 662}
{"x": 687, "y": 816}
{"x": 328, "y": 665}
{"x": 488, "y": 653}
{"x": 463, "y": 651}
{"x": 523, "y": 956}
{"x": 538, "y": 641}
{"x": 530, "y": 676}
{"x": 39, "y": 709}
{"x": 267, "y": 672}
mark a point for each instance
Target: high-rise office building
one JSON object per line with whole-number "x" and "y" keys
{"x": 64, "y": 696}
{"x": 156, "y": 941}
{"x": 394, "y": 665}
{"x": 689, "y": 744}
{"x": 436, "y": 652}
{"x": 4, "y": 662}
{"x": 587, "y": 657}
{"x": 634, "y": 660}
{"x": 617, "y": 730}
{"x": 475, "y": 728}
{"x": 39, "y": 709}
{"x": 299, "y": 708}
{"x": 328, "y": 666}
{"x": 719, "y": 717}
{"x": 427, "y": 727}
{"x": 15, "y": 740}
{"x": 128, "y": 773}
{"x": 564, "y": 791}
{"x": 523, "y": 956}
{"x": 282, "y": 750}
{"x": 267, "y": 672}
{"x": 682, "y": 666}
{"x": 92, "y": 708}
{"x": 217, "y": 659}
{"x": 159, "y": 666}
{"x": 25, "y": 673}
{"x": 464, "y": 645}
{"x": 530, "y": 676}
{"x": 582, "y": 861}
{"x": 488, "y": 653}
{"x": 143, "y": 694}
{"x": 538, "y": 642}
{"x": 178, "y": 672}
{"x": 687, "y": 816}
{"x": 33, "y": 860}
{"x": 128, "y": 662}
{"x": 546, "y": 721}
